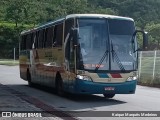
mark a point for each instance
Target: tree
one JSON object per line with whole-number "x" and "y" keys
{"x": 15, "y": 12}
{"x": 33, "y": 12}
{"x": 154, "y": 30}
{"x": 3, "y": 4}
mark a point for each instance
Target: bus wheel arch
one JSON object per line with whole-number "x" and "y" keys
{"x": 59, "y": 84}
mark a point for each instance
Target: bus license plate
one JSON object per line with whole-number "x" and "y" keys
{"x": 109, "y": 88}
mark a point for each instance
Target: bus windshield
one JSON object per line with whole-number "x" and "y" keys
{"x": 106, "y": 44}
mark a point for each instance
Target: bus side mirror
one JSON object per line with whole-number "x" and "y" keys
{"x": 145, "y": 40}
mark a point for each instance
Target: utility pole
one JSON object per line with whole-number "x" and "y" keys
{"x": 14, "y": 54}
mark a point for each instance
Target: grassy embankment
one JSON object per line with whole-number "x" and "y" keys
{"x": 8, "y": 62}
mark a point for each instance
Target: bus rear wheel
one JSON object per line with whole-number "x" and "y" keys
{"x": 109, "y": 95}
{"x": 59, "y": 85}
{"x": 29, "y": 79}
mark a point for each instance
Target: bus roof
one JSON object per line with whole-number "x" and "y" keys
{"x": 98, "y": 16}
{"x": 77, "y": 16}
{"x": 43, "y": 26}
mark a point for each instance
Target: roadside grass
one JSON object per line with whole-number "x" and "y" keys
{"x": 9, "y": 62}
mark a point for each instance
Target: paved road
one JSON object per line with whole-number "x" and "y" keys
{"x": 24, "y": 98}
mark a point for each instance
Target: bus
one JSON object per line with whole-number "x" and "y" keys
{"x": 82, "y": 54}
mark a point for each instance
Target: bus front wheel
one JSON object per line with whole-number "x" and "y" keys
{"x": 109, "y": 95}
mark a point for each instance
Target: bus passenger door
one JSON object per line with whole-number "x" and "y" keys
{"x": 70, "y": 65}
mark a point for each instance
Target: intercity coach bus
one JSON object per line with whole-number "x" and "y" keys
{"x": 82, "y": 54}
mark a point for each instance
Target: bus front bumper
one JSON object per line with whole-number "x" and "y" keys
{"x": 88, "y": 87}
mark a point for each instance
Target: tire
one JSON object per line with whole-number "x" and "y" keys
{"x": 59, "y": 85}
{"x": 108, "y": 95}
{"x": 29, "y": 79}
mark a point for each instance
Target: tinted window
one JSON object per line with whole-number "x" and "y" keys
{"x": 29, "y": 41}
{"x": 58, "y": 35}
{"x": 36, "y": 39}
{"x": 41, "y": 38}
{"x": 49, "y": 37}
{"x": 68, "y": 26}
{"x": 23, "y": 42}
{"x": 121, "y": 27}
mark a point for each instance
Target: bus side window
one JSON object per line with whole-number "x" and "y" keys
{"x": 49, "y": 37}
{"x": 23, "y": 42}
{"x": 54, "y": 36}
{"x": 67, "y": 37}
{"x": 29, "y": 41}
{"x": 44, "y": 38}
{"x": 41, "y": 38}
{"x": 36, "y": 39}
{"x": 68, "y": 26}
{"x": 58, "y": 35}
{"x": 33, "y": 40}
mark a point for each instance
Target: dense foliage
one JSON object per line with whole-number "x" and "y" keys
{"x": 16, "y": 14}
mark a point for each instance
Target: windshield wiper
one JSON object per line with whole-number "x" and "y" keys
{"x": 102, "y": 59}
{"x": 114, "y": 55}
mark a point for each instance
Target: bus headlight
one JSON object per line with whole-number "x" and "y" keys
{"x": 132, "y": 78}
{"x": 84, "y": 77}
